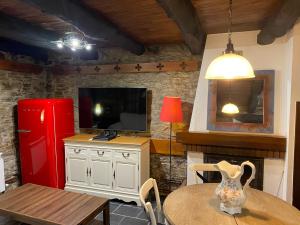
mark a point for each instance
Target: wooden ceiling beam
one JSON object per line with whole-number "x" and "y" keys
{"x": 279, "y": 24}
{"x": 24, "y": 32}
{"x": 94, "y": 27}
{"x": 185, "y": 16}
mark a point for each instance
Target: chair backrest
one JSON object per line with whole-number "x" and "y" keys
{"x": 196, "y": 167}
{"x": 144, "y": 192}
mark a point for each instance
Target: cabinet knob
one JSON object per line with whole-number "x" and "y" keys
{"x": 100, "y": 153}
{"x": 125, "y": 155}
{"x": 77, "y": 151}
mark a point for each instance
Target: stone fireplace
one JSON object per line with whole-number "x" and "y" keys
{"x": 267, "y": 152}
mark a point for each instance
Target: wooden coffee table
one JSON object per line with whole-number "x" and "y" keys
{"x": 36, "y": 205}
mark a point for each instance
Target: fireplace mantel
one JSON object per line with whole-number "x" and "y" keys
{"x": 241, "y": 144}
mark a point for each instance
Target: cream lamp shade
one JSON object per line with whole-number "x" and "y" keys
{"x": 229, "y": 66}
{"x": 230, "y": 108}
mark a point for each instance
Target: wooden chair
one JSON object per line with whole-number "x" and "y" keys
{"x": 196, "y": 167}
{"x": 144, "y": 193}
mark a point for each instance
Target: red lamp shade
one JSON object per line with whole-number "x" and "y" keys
{"x": 171, "y": 110}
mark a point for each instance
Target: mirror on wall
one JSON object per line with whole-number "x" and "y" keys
{"x": 247, "y": 95}
{"x": 254, "y": 99}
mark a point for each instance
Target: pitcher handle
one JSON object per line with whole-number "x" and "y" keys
{"x": 252, "y": 174}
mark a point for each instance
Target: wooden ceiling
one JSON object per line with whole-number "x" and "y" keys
{"x": 29, "y": 13}
{"x": 247, "y": 14}
{"x": 146, "y": 21}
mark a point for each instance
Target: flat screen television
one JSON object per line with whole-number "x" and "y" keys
{"x": 113, "y": 108}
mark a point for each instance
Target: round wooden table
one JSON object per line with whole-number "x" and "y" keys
{"x": 198, "y": 205}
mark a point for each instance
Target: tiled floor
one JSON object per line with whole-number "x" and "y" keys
{"x": 126, "y": 214}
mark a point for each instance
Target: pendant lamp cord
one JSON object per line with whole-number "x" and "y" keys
{"x": 229, "y": 48}
{"x": 229, "y": 19}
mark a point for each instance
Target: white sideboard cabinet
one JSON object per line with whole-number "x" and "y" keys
{"x": 111, "y": 169}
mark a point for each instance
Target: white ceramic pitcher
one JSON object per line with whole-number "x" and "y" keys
{"x": 230, "y": 190}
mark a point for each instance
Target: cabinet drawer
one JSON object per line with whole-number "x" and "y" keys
{"x": 126, "y": 155}
{"x": 101, "y": 153}
{"x": 76, "y": 150}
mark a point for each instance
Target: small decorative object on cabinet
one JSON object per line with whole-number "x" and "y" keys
{"x": 111, "y": 169}
{"x": 230, "y": 191}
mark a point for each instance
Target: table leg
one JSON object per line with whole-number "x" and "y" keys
{"x": 106, "y": 216}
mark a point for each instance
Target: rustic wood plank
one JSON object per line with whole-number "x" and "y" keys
{"x": 20, "y": 67}
{"x": 166, "y": 66}
{"x": 94, "y": 26}
{"x": 161, "y": 146}
{"x": 185, "y": 16}
{"x": 282, "y": 155}
{"x": 237, "y": 140}
{"x": 279, "y": 24}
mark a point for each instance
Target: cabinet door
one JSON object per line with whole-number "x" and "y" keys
{"x": 126, "y": 172}
{"x": 101, "y": 169}
{"x": 77, "y": 167}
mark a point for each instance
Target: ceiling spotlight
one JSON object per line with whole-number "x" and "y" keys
{"x": 59, "y": 44}
{"x": 75, "y": 42}
{"x": 88, "y": 47}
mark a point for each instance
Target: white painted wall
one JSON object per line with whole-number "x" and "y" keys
{"x": 261, "y": 57}
{"x": 283, "y": 56}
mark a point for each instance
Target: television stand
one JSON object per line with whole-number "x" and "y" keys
{"x": 106, "y": 136}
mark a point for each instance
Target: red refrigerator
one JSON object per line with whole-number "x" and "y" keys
{"x": 42, "y": 125}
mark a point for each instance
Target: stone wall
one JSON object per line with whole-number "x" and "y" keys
{"x": 15, "y": 86}
{"x": 181, "y": 84}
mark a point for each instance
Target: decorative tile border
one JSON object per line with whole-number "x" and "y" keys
{"x": 168, "y": 66}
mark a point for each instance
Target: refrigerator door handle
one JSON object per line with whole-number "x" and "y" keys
{"x": 23, "y": 131}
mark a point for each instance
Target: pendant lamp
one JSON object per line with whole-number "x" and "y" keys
{"x": 229, "y": 65}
